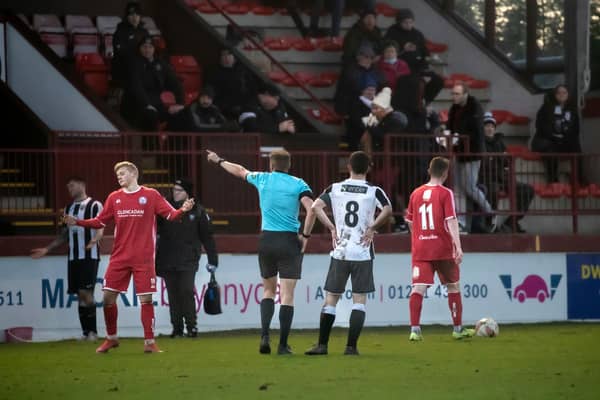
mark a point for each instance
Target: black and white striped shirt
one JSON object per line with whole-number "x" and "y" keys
{"x": 79, "y": 236}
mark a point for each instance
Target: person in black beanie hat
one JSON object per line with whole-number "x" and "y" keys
{"x": 125, "y": 42}
{"x": 267, "y": 114}
{"x": 363, "y": 32}
{"x": 178, "y": 254}
{"x": 413, "y": 50}
{"x": 149, "y": 77}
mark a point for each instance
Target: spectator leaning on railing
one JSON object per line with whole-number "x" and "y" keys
{"x": 557, "y": 130}
{"x": 495, "y": 176}
{"x": 382, "y": 120}
{"x": 360, "y": 106}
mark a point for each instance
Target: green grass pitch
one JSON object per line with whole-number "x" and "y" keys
{"x": 548, "y": 361}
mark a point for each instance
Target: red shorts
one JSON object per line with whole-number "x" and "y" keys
{"x": 447, "y": 270}
{"x": 117, "y": 278}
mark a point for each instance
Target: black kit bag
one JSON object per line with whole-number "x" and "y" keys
{"x": 212, "y": 297}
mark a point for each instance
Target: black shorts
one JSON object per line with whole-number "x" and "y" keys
{"x": 82, "y": 275}
{"x": 280, "y": 253}
{"x": 361, "y": 273}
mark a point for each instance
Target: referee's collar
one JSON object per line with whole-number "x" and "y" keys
{"x": 281, "y": 172}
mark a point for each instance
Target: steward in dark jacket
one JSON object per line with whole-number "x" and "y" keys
{"x": 178, "y": 253}
{"x": 467, "y": 120}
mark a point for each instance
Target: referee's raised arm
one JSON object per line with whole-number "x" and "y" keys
{"x": 233, "y": 168}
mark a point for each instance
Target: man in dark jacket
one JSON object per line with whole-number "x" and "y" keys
{"x": 413, "y": 50}
{"x": 203, "y": 116}
{"x": 234, "y": 85}
{"x": 465, "y": 118}
{"x": 149, "y": 77}
{"x": 363, "y": 32}
{"x": 267, "y": 114}
{"x": 177, "y": 257}
{"x": 126, "y": 38}
{"x": 495, "y": 176}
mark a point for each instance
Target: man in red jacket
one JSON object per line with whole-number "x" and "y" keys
{"x": 133, "y": 208}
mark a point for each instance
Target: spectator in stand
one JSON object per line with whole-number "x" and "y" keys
{"x": 391, "y": 66}
{"x": 495, "y": 176}
{"x": 234, "y": 85}
{"x": 128, "y": 35}
{"x": 353, "y": 79}
{"x": 465, "y": 118}
{"x": 267, "y": 114}
{"x": 337, "y": 11}
{"x": 382, "y": 120}
{"x": 363, "y": 32}
{"x": 413, "y": 50}
{"x": 557, "y": 130}
{"x": 359, "y": 107}
{"x": 203, "y": 116}
{"x": 149, "y": 77}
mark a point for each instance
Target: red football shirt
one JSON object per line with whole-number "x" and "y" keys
{"x": 429, "y": 209}
{"x": 134, "y": 214}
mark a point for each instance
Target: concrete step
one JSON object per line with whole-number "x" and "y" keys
{"x": 319, "y": 68}
{"x": 22, "y": 202}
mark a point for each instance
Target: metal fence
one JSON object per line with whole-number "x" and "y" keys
{"x": 32, "y": 182}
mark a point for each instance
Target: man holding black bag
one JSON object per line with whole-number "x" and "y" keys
{"x": 178, "y": 255}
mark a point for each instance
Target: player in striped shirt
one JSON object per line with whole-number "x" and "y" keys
{"x": 84, "y": 254}
{"x": 353, "y": 203}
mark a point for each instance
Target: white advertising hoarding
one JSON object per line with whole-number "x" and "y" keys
{"x": 509, "y": 287}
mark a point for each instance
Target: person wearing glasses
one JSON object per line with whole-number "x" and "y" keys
{"x": 179, "y": 248}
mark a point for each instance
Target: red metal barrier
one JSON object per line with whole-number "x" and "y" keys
{"x": 32, "y": 181}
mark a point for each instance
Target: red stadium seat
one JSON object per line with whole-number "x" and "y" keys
{"x": 277, "y": 76}
{"x": 304, "y": 45}
{"x": 478, "y": 84}
{"x": 237, "y": 8}
{"x": 518, "y": 120}
{"x": 168, "y": 99}
{"x": 330, "y": 117}
{"x": 94, "y": 71}
{"x": 263, "y": 10}
{"x": 435, "y": 47}
{"x": 594, "y": 190}
{"x": 188, "y": 71}
{"x": 516, "y": 149}
{"x": 385, "y": 9}
{"x": 301, "y": 77}
{"x": 329, "y": 44}
{"x": 190, "y": 97}
{"x": 84, "y": 43}
{"x": 555, "y": 190}
{"x": 56, "y": 41}
{"x": 582, "y": 191}
{"x": 278, "y": 44}
{"x": 501, "y": 116}
{"x": 333, "y": 76}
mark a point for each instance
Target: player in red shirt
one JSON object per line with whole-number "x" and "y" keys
{"x": 435, "y": 247}
{"x": 133, "y": 208}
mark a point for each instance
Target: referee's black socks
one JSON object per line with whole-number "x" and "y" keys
{"x": 286, "y": 314}
{"x": 267, "y": 309}
{"x": 326, "y": 322}
{"x": 357, "y": 320}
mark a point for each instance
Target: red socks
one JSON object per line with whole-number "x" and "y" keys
{"x": 110, "y": 318}
{"x": 415, "y": 303}
{"x": 148, "y": 320}
{"x": 455, "y": 304}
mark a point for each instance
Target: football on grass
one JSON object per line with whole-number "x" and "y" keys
{"x": 487, "y": 327}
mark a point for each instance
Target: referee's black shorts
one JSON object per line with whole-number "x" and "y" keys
{"x": 280, "y": 253}
{"x": 82, "y": 275}
{"x": 361, "y": 273}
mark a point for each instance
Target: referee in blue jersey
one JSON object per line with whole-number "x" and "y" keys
{"x": 280, "y": 247}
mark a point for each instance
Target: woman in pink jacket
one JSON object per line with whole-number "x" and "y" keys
{"x": 391, "y": 66}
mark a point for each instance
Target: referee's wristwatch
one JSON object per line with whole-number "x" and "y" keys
{"x": 304, "y": 235}
{"x": 221, "y": 161}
